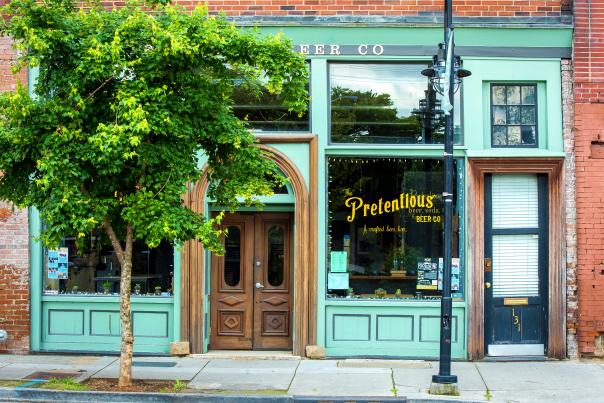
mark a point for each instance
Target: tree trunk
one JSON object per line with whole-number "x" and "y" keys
{"x": 125, "y": 258}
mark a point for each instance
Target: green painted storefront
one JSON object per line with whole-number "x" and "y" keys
{"x": 346, "y": 327}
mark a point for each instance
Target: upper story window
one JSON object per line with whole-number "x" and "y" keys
{"x": 389, "y": 103}
{"x": 265, "y": 112}
{"x": 513, "y": 115}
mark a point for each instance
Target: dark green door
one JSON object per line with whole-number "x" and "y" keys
{"x": 516, "y": 264}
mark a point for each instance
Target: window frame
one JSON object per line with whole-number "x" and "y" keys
{"x": 260, "y": 132}
{"x": 533, "y": 84}
{"x": 459, "y": 108}
{"x": 460, "y": 295}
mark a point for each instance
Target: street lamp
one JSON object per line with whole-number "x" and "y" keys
{"x": 445, "y": 76}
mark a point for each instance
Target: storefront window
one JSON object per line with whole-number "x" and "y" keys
{"x": 385, "y": 223}
{"x": 95, "y": 270}
{"x": 386, "y": 103}
{"x": 265, "y": 112}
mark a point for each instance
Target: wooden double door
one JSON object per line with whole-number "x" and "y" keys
{"x": 251, "y": 293}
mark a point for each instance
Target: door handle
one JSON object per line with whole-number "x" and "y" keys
{"x": 258, "y": 285}
{"x": 487, "y": 285}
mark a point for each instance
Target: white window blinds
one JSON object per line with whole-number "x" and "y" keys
{"x": 515, "y": 266}
{"x": 515, "y": 201}
{"x": 515, "y": 204}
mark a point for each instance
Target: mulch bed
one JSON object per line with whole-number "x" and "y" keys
{"x": 110, "y": 385}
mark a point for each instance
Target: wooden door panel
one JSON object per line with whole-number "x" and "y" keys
{"x": 516, "y": 308}
{"x": 273, "y": 274}
{"x": 232, "y": 295}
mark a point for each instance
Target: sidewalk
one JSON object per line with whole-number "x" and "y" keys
{"x": 547, "y": 381}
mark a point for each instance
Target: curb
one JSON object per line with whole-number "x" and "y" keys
{"x": 44, "y": 395}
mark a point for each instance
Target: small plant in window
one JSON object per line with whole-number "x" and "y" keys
{"x": 350, "y": 292}
{"x": 158, "y": 290}
{"x": 381, "y": 293}
{"x": 75, "y": 289}
{"x": 106, "y": 287}
{"x": 137, "y": 288}
{"x": 398, "y": 293}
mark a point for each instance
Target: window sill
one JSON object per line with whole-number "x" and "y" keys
{"x": 112, "y": 298}
{"x": 384, "y": 302}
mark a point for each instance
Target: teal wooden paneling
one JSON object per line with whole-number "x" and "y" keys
{"x": 65, "y": 322}
{"x": 150, "y": 324}
{"x": 429, "y": 329}
{"x": 104, "y": 323}
{"x": 93, "y": 324}
{"x": 394, "y": 327}
{"x": 351, "y": 327}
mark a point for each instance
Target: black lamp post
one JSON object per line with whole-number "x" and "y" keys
{"x": 445, "y": 76}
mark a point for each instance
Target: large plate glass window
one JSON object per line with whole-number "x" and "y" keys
{"x": 385, "y": 223}
{"x": 513, "y": 115}
{"x": 386, "y": 103}
{"x": 265, "y": 112}
{"x": 91, "y": 267}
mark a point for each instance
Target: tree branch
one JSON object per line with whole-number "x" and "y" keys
{"x": 115, "y": 242}
{"x": 97, "y": 89}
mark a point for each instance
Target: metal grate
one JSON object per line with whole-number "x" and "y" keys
{"x": 53, "y": 374}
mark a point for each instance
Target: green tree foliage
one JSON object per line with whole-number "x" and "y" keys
{"x": 125, "y": 102}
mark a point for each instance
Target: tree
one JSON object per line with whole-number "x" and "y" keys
{"x": 125, "y": 102}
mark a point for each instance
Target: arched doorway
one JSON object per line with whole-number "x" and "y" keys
{"x": 194, "y": 265}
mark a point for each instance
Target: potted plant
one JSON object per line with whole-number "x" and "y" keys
{"x": 381, "y": 293}
{"x": 75, "y": 289}
{"x": 137, "y": 288}
{"x": 158, "y": 290}
{"x": 350, "y": 292}
{"x": 106, "y": 287}
{"x": 398, "y": 293}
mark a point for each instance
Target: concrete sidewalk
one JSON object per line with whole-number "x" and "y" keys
{"x": 546, "y": 381}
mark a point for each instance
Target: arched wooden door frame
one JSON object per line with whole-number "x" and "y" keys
{"x": 193, "y": 262}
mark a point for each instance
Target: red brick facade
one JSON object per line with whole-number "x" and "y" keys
{"x": 589, "y": 150}
{"x": 14, "y": 279}
{"x": 477, "y": 8}
{"x": 14, "y": 251}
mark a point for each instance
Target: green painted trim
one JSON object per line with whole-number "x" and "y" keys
{"x": 111, "y": 299}
{"x": 515, "y": 152}
{"x": 430, "y": 36}
{"x": 176, "y": 293}
{"x": 476, "y": 113}
{"x": 329, "y": 302}
{"x": 319, "y": 85}
{"x": 35, "y": 281}
{"x": 393, "y": 150}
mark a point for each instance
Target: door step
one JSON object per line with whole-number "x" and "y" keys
{"x": 247, "y": 355}
{"x": 518, "y": 358}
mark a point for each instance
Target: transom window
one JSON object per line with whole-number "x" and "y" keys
{"x": 513, "y": 115}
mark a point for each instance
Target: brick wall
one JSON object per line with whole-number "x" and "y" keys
{"x": 462, "y": 8}
{"x": 572, "y": 302}
{"x": 589, "y": 151}
{"x": 483, "y": 8}
{"x": 14, "y": 252}
{"x": 14, "y": 279}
